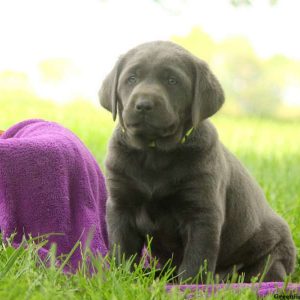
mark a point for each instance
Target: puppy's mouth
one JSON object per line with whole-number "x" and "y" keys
{"x": 151, "y": 131}
{"x": 143, "y": 135}
{"x": 161, "y": 133}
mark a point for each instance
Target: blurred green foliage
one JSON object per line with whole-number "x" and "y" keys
{"x": 253, "y": 86}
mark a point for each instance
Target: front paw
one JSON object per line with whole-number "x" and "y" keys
{"x": 191, "y": 275}
{"x": 185, "y": 275}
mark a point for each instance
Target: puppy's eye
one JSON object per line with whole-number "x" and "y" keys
{"x": 172, "y": 81}
{"x": 131, "y": 79}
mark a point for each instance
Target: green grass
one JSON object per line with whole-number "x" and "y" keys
{"x": 268, "y": 147}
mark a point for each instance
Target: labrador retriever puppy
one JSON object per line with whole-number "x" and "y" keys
{"x": 169, "y": 176}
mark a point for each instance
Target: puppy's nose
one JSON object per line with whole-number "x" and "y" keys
{"x": 144, "y": 105}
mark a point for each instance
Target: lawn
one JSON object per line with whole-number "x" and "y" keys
{"x": 270, "y": 148}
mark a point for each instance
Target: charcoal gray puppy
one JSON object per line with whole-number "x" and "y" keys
{"x": 169, "y": 176}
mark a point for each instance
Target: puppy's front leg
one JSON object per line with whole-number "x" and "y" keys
{"x": 122, "y": 233}
{"x": 202, "y": 236}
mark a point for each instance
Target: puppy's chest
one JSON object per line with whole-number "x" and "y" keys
{"x": 161, "y": 199}
{"x": 153, "y": 187}
{"x": 157, "y": 221}
{"x": 156, "y": 178}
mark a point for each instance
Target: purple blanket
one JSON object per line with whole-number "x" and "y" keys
{"x": 50, "y": 183}
{"x": 262, "y": 289}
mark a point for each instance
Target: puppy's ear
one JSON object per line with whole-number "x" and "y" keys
{"x": 108, "y": 92}
{"x": 208, "y": 93}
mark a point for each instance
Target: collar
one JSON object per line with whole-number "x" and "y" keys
{"x": 182, "y": 141}
{"x": 187, "y": 134}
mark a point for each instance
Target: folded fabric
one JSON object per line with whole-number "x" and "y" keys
{"x": 50, "y": 183}
{"x": 261, "y": 289}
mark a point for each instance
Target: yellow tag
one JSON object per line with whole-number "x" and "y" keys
{"x": 152, "y": 144}
{"x": 188, "y": 133}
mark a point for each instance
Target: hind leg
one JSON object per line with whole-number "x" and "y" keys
{"x": 281, "y": 262}
{"x": 274, "y": 272}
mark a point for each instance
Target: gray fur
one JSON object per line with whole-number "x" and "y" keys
{"x": 195, "y": 199}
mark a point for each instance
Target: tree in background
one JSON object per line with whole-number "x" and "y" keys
{"x": 253, "y": 85}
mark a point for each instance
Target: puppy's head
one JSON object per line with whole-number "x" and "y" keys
{"x": 160, "y": 90}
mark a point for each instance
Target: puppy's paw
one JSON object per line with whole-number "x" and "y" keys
{"x": 184, "y": 275}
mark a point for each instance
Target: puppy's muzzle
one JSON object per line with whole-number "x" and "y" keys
{"x": 148, "y": 114}
{"x": 144, "y": 105}
{"x": 147, "y": 103}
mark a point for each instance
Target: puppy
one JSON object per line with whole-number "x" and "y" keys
{"x": 169, "y": 176}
